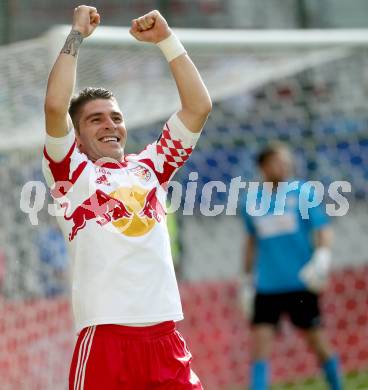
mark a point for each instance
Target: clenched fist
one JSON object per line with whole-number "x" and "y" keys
{"x": 85, "y": 20}
{"x": 151, "y": 27}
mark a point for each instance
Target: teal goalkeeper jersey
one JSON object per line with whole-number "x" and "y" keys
{"x": 284, "y": 240}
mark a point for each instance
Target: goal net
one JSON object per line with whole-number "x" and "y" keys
{"x": 308, "y": 89}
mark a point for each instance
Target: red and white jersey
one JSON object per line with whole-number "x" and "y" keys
{"x": 113, "y": 218}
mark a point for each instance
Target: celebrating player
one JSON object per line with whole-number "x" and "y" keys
{"x": 111, "y": 211}
{"x": 287, "y": 259}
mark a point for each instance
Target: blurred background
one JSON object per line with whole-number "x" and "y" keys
{"x": 266, "y": 85}
{"x": 22, "y": 19}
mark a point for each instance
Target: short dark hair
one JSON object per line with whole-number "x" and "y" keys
{"x": 269, "y": 150}
{"x": 86, "y": 95}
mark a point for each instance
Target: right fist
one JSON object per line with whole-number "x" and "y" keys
{"x": 85, "y": 20}
{"x": 151, "y": 27}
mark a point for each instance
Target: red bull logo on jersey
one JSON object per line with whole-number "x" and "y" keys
{"x": 132, "y": 211}
{"x": 141, "y": 172}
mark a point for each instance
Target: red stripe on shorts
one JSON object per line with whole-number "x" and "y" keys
{"x": 117, "y": 357}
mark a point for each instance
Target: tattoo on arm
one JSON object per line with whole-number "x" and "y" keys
{"x": 72, "y": 43}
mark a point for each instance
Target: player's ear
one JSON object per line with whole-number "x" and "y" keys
{"x": 78, "y": 141}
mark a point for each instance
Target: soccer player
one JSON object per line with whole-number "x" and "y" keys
{"x": 287, "y": 259}
{"x": 110, "y": 208}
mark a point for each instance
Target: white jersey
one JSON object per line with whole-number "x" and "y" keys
{"x": 113, "y": 219}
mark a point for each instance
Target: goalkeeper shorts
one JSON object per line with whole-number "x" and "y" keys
{"x": 302, "y": 307}
{"x": 120, "y": 357}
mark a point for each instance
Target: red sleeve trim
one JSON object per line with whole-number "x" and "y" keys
{"x": 60, "y": 171}
{"x": 171, "y": 154}
{"x": 48, "y": 158}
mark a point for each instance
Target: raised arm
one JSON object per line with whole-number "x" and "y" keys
{"x": 195, "y": 100}
{"x": 62, "y": 77}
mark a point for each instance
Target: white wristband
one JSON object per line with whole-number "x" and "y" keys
{"x": 171, "y": 47}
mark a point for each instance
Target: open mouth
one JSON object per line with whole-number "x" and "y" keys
{"x": 109, "y": 139}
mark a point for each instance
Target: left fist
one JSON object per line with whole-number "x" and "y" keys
{"x": 151, "y": 27}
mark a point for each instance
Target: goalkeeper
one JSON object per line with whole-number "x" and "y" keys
{"x": 287, "y": 260}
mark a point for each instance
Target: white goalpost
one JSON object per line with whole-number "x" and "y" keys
{"x": 231, "y": 61}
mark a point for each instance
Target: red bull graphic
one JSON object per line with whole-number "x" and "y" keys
{"x": 100, "y": 207}
{"x": 132, "y": 211}
{"x": 152, "y": 207}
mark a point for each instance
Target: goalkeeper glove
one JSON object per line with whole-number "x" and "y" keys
{"x": 246, "y": 296}
{"x": 315, "y": 273}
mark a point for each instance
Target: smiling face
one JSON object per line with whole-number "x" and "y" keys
{"x": 101, "y": 130}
